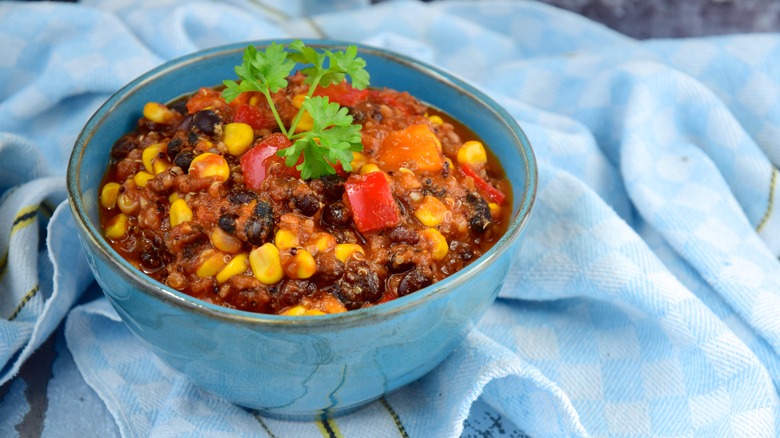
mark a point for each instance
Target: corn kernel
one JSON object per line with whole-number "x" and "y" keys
{"x": 211, "y": 265}
{"x": 301, "y": 266}
{"x": 358, "y": 160}
{"x": 472, "y": 152}
{"x": 266, "y": 264}
{"x": 225, "y": 242}
{"x": 436, "y": 120}
{"x": 495, "y": 210}
{"x": 153, "y": 154}
{"x": 438, "y": 243}
{"x": 298, "y": 100}
{"x": 160, "y": 166}
{"x": 301, "y": 311}
{"x": 117, "y": 226}
{"x": 180, "y": 212}
{"x": 157, "y": 112}
{"x": 210, "y": 164}
{"x": 237, "y": 137}
{"x": 172, "y": 197}
{"x": 305, "y": 123}
{"x": 285, "y": 239}
{"x": 127, "y": 203}
{"x": 369, "y": 168}
{"x": 109, "y": 194}
{"x": 294, "y": 311}
{"x": 324, "y": 242}
{"x": 237, "y": 265}
{"x": 431, "y": 212}
{"x": 345, "y": 250}
{"x": 142, "y": 177}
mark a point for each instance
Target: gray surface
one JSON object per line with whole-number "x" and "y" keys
{"x": 679, "y": 18}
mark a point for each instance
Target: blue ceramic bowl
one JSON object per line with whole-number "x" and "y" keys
{"x": 300, "y": 367}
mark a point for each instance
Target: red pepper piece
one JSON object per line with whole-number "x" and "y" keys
{"x": 343, "y": 93}
{"x": 491, "y": 192}
{"x": 253, "y": 116}
{"x": 340, "y": 169}
{"x": 372, "y": 203}
{"x": 205, "y": 98}
{"x": 256, "y": 161}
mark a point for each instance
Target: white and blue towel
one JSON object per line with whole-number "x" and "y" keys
{"x": 646, "y": 298}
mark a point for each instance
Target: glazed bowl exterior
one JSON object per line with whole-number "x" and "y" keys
{"x": 300, "y": 367}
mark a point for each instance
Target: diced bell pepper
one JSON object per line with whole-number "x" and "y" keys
{"x": 372, "y": 203}
{"x": 256, "y": 161}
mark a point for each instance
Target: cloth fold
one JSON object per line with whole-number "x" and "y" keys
{"x": 642, "y": 302}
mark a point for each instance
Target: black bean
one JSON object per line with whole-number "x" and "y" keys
{"x": 264, "y": 209}
{"x": 434, "y": 190}
{"x": 123, "y": 146}
{"x": 329, "y": 267}
{"x": 307, "y": 204}
{"x": 413, "y": 280}
{"x": 336, "y": 215}
{"x": 405, "y": 235}
{"x": 206, "y": 121}
{"x": 183, "y": 159}
{"x": 397, "y": 265}
{"x": 192, "y": 248}
{"x": 333, "y": 187}
{"x": 174, "y": 147}
{"x": 359, "y": 285}
{"x": 192, "y": 137}
{"x": 358, "y": 116}
{"x": 151, "y": 260}
{"x": 377, "y": 115}
{"x": 227, "y": 222}
{"x": 259, "y": 227}
{"x": 481, "y": 218}
{"x": 241, "y": 196}
{"x": 180, "y": 106}
{"x": 291, "y": 292}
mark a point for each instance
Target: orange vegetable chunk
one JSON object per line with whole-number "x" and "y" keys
{"x": 415, "y": 147}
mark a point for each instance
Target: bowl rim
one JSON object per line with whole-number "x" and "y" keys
{"x": 381, "y": 311}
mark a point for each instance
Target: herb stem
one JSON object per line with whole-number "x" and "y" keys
{"x": 298, "y": 116}
{"x": 278, "y": 118}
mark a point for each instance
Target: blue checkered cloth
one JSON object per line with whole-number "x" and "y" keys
{"x": 644, "y": 301}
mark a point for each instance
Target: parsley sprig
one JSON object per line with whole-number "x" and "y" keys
{"x": 333, "y": 136}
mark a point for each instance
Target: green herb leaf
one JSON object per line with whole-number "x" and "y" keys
{"x": 340, "y": 64}
{"x": 331, "y": 140}
{"x": 272, "y": 67}
{"x": 264, "y": 71}
{"x": 333, "y": 137}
